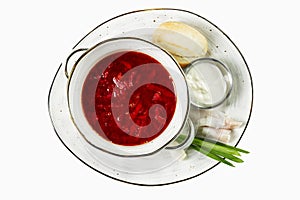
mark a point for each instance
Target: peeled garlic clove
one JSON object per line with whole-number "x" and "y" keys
{"x": 219, "y": 119}
{"x": 212, "y": 120}
{"x": 221, "y": 135}
{"x": 184, "y": 42}
{"x": 229, "y": 123}
{"x": 232, "y": 123}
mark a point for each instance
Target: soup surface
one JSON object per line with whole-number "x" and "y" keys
{"x": 128, "y": 98}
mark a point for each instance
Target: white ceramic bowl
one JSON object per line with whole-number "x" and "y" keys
{"x": 101, "y": 50}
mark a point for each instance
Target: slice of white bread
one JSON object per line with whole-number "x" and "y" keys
{"x": 184, "y": 42}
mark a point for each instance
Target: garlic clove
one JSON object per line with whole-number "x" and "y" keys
{"x": 232, "y": 123}
{"x": 221, "y": 135}
{"x": 218, "y": 119}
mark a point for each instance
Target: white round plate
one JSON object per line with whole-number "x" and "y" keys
{"x": 167, "y": 166}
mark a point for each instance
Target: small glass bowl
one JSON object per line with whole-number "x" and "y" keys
{"x": 209, "y": 81}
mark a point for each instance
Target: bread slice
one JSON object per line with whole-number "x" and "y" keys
{"x": 184, "y": 42}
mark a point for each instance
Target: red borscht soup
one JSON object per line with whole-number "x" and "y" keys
{"x": 128, "y": 98}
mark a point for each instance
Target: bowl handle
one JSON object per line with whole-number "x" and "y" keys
{"x": 72, "y": 59}
{"x": 184, "y": 141}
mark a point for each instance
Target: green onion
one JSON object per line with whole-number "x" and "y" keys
{"x": 224, "y": 145}
{"x": 211, "y": 155}
{"x": 216, "y": 150}
{"x": 228, "y": 156}
{"x": 212, "y": 145}
{"x": 231, "y": 147}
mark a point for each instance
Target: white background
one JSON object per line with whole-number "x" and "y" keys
{"x": 35, "y": 37}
